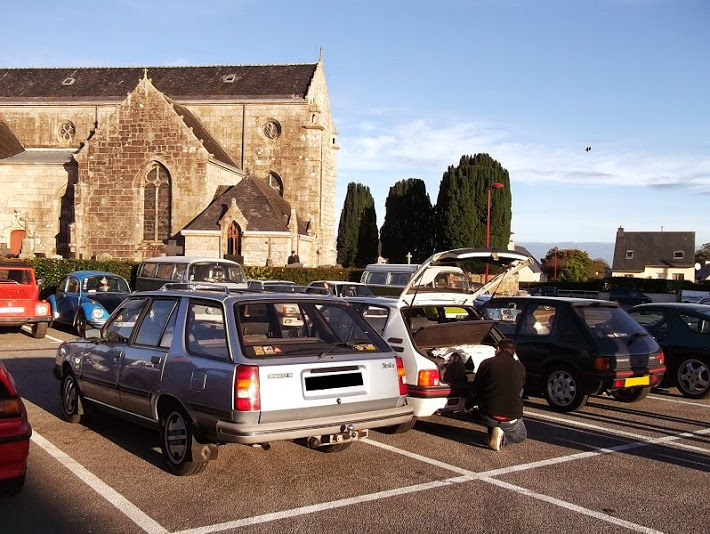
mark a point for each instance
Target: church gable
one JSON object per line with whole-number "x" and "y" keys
{"x": 145, "y": 166}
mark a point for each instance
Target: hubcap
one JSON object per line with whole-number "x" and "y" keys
{"x": 694, "y": 376}
{"x": 69, "y": 396}
{"x": 561, "y": 388}
{"x": 176, "y": 437}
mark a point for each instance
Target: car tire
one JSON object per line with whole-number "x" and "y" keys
{"x": 401, "y": 428}
{"x": 176, "y": 442}
{"x": 693, "y": 377}
{"x": 70, "y": 399}
{"x": 336, "y": 447}
{"x": 80, "y": 325}
{"x": 631, "y": 394}
{"x": 39, "y": 330}
{"x": 564, "y": 390}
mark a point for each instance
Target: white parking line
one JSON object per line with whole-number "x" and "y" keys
{"x": 679, "y": 401}
{"x": 47, "y": 336}
{"x": 128, "y": 509}
{"x": 666, "y": 440}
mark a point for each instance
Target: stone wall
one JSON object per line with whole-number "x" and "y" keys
{"x": 35, "y": 190}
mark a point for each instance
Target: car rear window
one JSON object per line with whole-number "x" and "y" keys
{"x": 16, "y": 276}
{"x": 615, "y": 330}
{"x": 299, "y": 328}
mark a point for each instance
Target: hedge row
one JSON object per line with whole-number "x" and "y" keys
{"x": 50, "y": 271}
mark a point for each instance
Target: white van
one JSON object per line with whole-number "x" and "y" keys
{"x": 154, "y": 273}
{"x": 388, "y": 274}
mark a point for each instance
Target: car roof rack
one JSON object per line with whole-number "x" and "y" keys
{"x": 189, "y": 286}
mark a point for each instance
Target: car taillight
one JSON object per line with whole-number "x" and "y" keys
{"x": 429, "y": 377}
{"x": 9, "y": 399}
{"x": 401, "y": 373}
{"x": 246, "y": 388}
{"x": 602, "y": 364}
{"x": 661, "y": 358}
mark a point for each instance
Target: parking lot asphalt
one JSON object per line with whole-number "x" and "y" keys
{"x": 610, "y": 467}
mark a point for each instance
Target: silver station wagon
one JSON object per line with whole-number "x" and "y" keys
{"x": 207, "y": 367}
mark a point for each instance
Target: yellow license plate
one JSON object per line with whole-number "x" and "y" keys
{"x": 637, "y": 381}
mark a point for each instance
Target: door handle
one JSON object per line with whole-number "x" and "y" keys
{"x": 156, "y": 360}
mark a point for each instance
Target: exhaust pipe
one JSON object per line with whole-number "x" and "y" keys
{"x": 314, "y": 442}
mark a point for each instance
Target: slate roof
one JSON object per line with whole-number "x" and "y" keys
{"x": 264, "y": 209}
{"x": 251, "y": 82}
{"x": 535, "y": 265}
{"x": 653, "y": 249}
{"x": 40, "y": 155}
{"x": 209, "y": 142}
{"x": 9, "y": 145}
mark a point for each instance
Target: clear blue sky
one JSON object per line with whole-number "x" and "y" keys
{"x": 416, "y": 84}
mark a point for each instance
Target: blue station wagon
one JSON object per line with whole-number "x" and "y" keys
{"x": 87, "y": 298}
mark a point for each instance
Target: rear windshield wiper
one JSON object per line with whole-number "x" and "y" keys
{"x": 341, "y": 344}
{"x": 636, "y": 335}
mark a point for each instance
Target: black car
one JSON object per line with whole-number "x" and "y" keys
{"x": 575, "y": 347}
{"x": 544, "y": 291}
{"x": 683, "y": 331}
{"x": 628, "y": 296}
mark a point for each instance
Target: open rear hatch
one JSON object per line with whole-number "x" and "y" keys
{"x": 509, "y": 261}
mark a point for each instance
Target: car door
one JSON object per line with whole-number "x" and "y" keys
{"x": 67, "y": 298}
{"x": 144, "y": 355}
{"x": 101, "y": 363}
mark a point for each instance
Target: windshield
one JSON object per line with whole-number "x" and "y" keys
{"x": 299, "y": 327}
{"x": 105, "y": 284}
{"x": 216, "y": 272}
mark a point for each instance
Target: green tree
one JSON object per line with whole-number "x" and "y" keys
{"x": 702, "y": 255}
{"x": 408, "y": 226}
{"x": 462, "y": 204}
{"x": 571, "y": 265}
{"x": 357, "y": 240}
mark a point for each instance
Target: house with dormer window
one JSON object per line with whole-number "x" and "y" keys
{"x": 659, "y": 255}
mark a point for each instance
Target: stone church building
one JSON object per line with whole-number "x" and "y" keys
{"x": 132, "y": 162}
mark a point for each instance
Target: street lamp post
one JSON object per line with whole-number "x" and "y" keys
{"x": 496, "y": 185}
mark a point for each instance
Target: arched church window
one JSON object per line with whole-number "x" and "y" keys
{"x": 67, "y": 131}
{"x": 234, "y": 239}
{"x": 156, "y": 203}
{"x": 276, "y": 183}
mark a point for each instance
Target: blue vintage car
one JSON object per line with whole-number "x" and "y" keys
{"x": 87, "y": 298}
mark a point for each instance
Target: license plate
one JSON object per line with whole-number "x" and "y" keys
{"x": 12, "y": 310}
{"x": 637, "y": 381}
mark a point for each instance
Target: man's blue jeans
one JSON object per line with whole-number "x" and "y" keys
{"x": 514, "y": 430}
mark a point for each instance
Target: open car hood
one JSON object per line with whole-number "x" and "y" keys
{"x": 511, "y": 261}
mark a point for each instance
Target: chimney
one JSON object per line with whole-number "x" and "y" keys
{"x": 620, "y": 231}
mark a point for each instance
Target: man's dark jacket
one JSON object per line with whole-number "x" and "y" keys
{"x": 498, "y": 385}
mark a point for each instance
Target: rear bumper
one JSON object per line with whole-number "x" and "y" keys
{"x": 427, "y": 401}
{"x": 598, "y": 382}
{"x": 253, "y": 433}
{"x": 13, "y": 455}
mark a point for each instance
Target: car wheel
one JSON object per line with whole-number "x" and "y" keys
{"x": 176, "y": 441}
{"x": 564, "y": 390}
{"x": 631, "y": 394}
{"x": 80, "y": 325}
{"x": 337, "y": 447}
{"x": 39, "y": 330}
{"x": 401, "y": 428}
{"x": 693, "y": 378}
{"x": 70, "y": 399}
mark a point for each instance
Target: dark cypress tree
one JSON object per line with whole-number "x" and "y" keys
{"x": 409, "y": 222}
{"x": 357, "y": 232}
{"x": 461, "y": 208}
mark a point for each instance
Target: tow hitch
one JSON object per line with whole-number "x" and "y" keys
{"x": 347, "y": 433}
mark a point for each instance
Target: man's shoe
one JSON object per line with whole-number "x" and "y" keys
{"x": 496, "y": 441}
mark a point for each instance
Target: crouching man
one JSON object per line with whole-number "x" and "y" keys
{"x": 498, "y": 389}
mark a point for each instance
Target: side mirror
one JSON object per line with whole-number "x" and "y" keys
{"x": 92, "y": 334}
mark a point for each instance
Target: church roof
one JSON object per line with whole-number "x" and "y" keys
{"x": 9, "y": 145}
{"x": 209, "y": 142}
{"x": 222, "y": 82}
{"x": 264, "y": 209}
{"x": 43, "y": 155}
